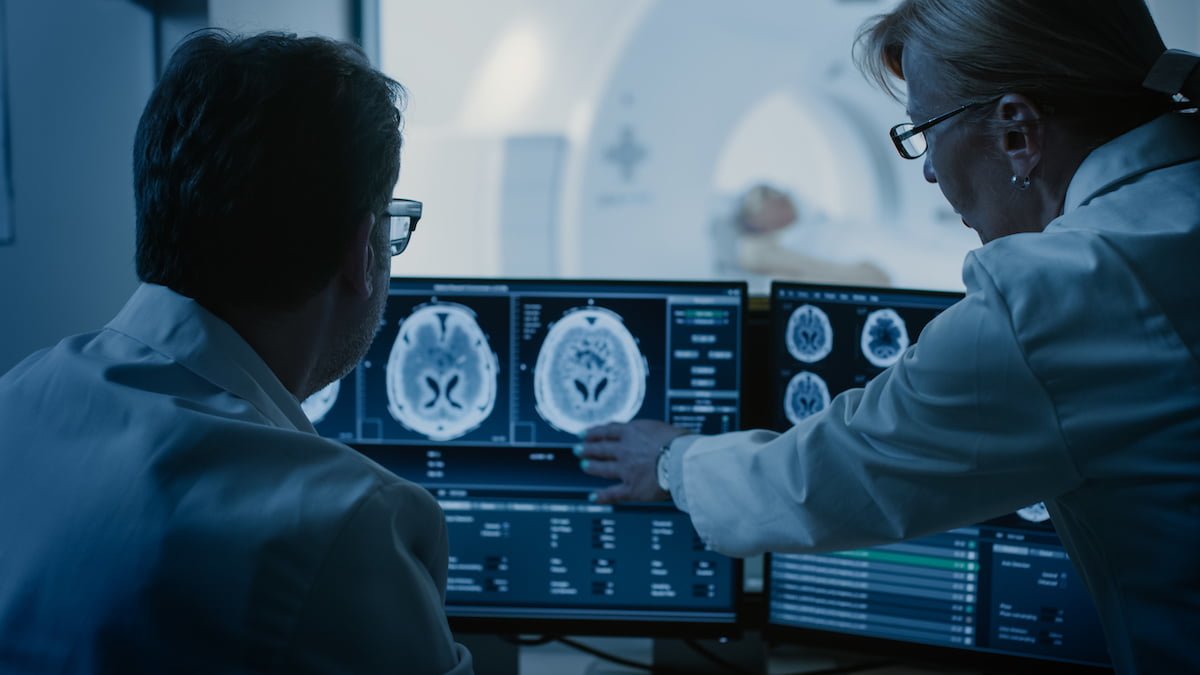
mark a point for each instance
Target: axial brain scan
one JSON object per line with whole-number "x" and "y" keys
{"x": 1035, "y": 513}
{"x": 806, "y": 395}
{"x": 809, "y": 335}
{"x": 317, "y": 406}
{"x": 589, "y": 371}
{"x": 442, "y": 373}
{"x": 884, "y": 338}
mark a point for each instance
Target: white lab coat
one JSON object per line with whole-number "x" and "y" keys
{"x": 165, "y": 507}
{"x": 1069, "y": 374}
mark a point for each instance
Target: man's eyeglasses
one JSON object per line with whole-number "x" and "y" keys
{"x": 909, "y": 138}
{"x": 402, "y": 215}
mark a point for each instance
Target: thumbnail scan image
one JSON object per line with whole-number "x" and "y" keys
{"x": 809, "y": 335}
{"x": 1035, "y": 513}
{"x": 317, "y": 406}
{"x": 884, "y": 338}
{"x": 589, "y": 371}
{"x": 806, "y": 395}
{"x": 442, "y": 374}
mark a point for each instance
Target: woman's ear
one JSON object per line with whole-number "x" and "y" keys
{"x": 1022, "y": 136}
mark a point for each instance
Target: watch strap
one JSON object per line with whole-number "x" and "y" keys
{"x": 663, "y": 468}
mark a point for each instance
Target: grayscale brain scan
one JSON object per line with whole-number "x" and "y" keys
{"x": 806, "y": 395}
{"x": 317, "y": 406}
{"x": 1035, "y": 513}
{"x": 884, "y": 338}
{"x": 442, "y": 374}
{"x": 809, "y": 334}
{"x": 589, "y": 371}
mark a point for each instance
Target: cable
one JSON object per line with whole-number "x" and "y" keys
{"x": 694, "y": 645}
{"x": 841, "y": 670}
{"x": 546, "y": 639}
{"x": 608, "y": 657}
{"x": 711, "y": 656}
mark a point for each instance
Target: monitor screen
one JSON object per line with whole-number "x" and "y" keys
{"x": 478, "y": 389}
{"x": 1003, "y": 588}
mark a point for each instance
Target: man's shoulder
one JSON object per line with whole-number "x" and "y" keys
{"x": 383, "y": 482}
{"x": 391, "y": 493}
{"x": 47, "y": 361}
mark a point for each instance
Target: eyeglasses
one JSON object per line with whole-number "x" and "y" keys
{"x": 909, "y": 138}
{"x": 403, "y": 215}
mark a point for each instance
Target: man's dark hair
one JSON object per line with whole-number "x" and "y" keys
{"x": 254, "y": 160}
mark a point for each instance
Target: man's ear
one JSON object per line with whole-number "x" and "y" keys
{"x": 1022, "y": 136}
{"x": 358, "y": 264}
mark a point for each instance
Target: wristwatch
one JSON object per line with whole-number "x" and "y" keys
{"x": 663, "y": 468}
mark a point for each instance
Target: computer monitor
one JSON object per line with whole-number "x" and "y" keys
{"x": 997, "y": 593}
{"x": 477, "y": 389}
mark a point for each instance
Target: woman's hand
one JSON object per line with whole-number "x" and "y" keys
{"x": 628, "y": 453}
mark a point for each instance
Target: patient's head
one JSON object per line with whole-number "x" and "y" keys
{"x": 764, "y": 209}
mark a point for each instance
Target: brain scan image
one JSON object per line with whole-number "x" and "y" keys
{"x": 589, "y": 371}
{"x": 442, "y": 374}
{"x": 806, "y": 395}
{"x": 317, "y": 406}
{"x": 884, "y": 338}
{"x": 1035, "y": 513}
{"x": 809, "y": 335}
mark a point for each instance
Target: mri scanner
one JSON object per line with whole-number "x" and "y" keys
{"x": 605, "y": 139}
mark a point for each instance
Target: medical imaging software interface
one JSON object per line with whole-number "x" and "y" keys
{"x": 479, "y": 389}
{"x": 1004, "y": 586}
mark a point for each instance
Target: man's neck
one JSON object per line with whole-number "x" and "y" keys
{"x": 287, "y": 340}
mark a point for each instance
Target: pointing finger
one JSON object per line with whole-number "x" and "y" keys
{"x": 600, "y": 468}
{"x": 597, "y": 450}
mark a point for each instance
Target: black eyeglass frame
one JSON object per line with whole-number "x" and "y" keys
{"x": 906, "y": 130}
{"x": 401, "y": 208}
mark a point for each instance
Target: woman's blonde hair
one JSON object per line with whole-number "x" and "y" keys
{"x": 1085, "y": 59}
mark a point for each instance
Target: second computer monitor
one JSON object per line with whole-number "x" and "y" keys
{"x": 1001, "y": 593}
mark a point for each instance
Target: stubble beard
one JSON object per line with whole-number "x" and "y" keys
{"x": 341, "y": 360}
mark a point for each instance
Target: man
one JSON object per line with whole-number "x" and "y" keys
{"x": 166, "y": 506}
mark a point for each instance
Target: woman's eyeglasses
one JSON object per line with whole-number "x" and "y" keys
{"x": 909, "y": 138}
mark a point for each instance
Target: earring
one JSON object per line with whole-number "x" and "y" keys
{"x": 1020, "y": 183}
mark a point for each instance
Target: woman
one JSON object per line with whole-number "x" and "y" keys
{"x": 1070, "y": 373}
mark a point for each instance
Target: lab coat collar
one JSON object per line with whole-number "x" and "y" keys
{"x": 1171, "y": 139}
{"x": 181, "y": 329}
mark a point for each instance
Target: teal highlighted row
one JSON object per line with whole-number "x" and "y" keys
{"x": 910, "y": 559}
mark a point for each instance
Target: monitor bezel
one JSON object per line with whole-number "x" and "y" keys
{"x": 900, "y": 649}
{"x": 617, "y": 626}
{"x": 926, "y": 292}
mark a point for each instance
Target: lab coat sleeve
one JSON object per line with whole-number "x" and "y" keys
{"x": 377, "y": 604}
{"x": 958, "y": 431}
